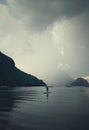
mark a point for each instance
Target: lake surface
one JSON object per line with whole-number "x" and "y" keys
{"x": 28, "y": 108}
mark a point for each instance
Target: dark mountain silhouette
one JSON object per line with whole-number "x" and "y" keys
{"x": 12, "y": 76}
{"x": 80, "y": 82}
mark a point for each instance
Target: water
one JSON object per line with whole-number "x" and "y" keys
{"x": 28, "y": 108}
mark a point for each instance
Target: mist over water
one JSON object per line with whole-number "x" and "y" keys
{"x": 29, "y": 108}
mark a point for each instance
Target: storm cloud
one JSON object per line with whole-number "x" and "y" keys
{"x": 39, "y": 14}
{"x": 4, "y": 2}
{"x": 49, "y": 32}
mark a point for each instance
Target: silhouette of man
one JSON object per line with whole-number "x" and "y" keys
{"x": 47, "y": 89}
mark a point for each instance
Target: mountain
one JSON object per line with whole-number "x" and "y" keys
{"x": 12, "y": 76}
{"x": 80, "y": 82}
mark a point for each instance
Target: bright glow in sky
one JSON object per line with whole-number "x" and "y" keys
{"x": 44, "y": 37}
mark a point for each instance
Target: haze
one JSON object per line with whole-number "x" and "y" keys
{"x": 46, "y": 36}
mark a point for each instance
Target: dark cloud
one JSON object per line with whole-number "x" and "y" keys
{"x": 39, "y": 14}
{"x": 3, "y": 2}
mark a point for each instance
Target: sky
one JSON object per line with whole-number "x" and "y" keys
{"x": 46, "y": 36}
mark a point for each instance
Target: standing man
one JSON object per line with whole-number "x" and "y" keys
{"x": 47, "y": 89}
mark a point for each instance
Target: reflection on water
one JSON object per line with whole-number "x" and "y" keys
{"x": 6, "y": 105}
{"x": 10, "y": 102}
{"x": 34, "y": 109}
